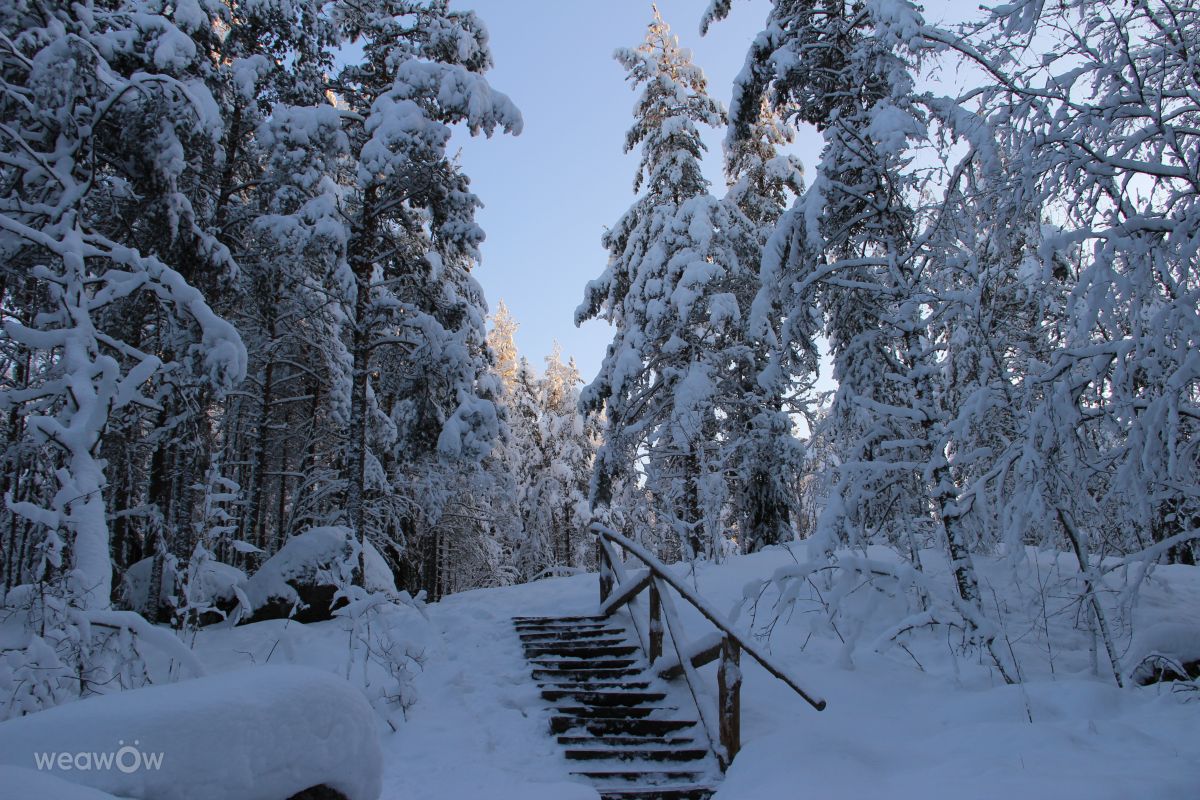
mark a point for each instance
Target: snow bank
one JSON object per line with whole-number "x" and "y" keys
{"x": 263, "y": 733}
{"x": 1164, "y": 649}
{"x": 319, "y": 557}
{"x": 29, "y": 783}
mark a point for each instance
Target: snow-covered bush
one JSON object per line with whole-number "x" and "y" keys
{"x": 385, "y": 645}
{"x": 52, "y": 650}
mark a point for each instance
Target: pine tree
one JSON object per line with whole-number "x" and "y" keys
{"x": 406, "y": 239}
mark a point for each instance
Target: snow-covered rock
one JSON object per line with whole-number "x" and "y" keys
{"x": 302, "y": 578}
{"x": 263, "y": 733}
{"x": 219, "y": 584}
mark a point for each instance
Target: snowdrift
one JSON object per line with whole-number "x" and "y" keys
{"x": 263, "y": 733}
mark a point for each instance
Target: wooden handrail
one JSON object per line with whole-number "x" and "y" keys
{"x": 617, "y": 589}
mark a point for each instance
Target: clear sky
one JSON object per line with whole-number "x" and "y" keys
{"x": 550, "y": 192}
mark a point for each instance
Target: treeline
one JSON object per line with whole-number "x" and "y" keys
{"x": 1005, "y": 281}
{"x": 238, "y": 304}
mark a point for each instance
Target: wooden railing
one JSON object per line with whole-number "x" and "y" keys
{"x": 620, "y": 588}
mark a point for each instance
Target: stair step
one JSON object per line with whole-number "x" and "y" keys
{"x": 657, "y": 753}
{"x": 601, "y": 726}
{"x": 596, "y": 686}
{"x": 686, "y": 792}
{"x": 618, "y": 742}
{"x": 586, "y": 618}
{"x": 591, "y": 697}
{"x": 642, "y": 777}
{"x": 589, "y": 652}
{"x": 584, "y": 675}
{"x": 612, "y": 712}
{"x": 571, "y": 635}
{"x": 553, "y": 626}
{"x": 572, "y": 664}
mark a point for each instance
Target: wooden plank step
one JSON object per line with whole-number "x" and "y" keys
{"x": 591, "y": 697}
{"x": 612, "y": 712}
{"x": 529, "y": 625}
{"x": 589, "y": 651}
{"x": 685, "y": 792}
{"x": 627, "y": 741}
{"x": 572, "y": 635}
{"x": 586, "y": 618}
{"x": 558, "y": 642}
{"x": 575, "y": 664}
{"x": 596, "y": 686}
{"x": 584, "y": 675}
{"x": 655, "y": 753}
{"x": 602, "y": 726}
{"x": 643, "y": 777}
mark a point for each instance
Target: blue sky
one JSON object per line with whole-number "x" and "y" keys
{"x": 550, "y": 192}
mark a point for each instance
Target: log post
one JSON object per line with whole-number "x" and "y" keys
{"x": 729, "y": 685}
{"x": 606, "y": 575}
{"x": 656, "y": 625}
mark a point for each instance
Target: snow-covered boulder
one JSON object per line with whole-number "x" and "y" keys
{"x": 301, "y": 580}
{"x": 264, "y": 733}
{"x": 219, "y": 582}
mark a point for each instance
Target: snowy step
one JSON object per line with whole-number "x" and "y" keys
{"x": 642, "y": 777}
{"x": 685, "y": 792}
{"x": 618, "y": 742}
{"x": 595, "y": 686}
{"x": 584, "y": 675}
{"x": 591, "y": 697}
{"x": 654, "y": 753}
{"x": 620, "y": 725}
{"x": 561, "y": 622}
{"x": 570, "y": 634}
{"x": 612, "y": 712}
{"x": 591, "y": 627}
{"x": 575, "y": 664}
{"x": 588, "y": 651}
{"x": 589, "y": 618}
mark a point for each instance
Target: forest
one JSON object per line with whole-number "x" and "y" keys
{"x": 248, "y": 373}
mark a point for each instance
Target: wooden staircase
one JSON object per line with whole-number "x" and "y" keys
{"x": 608, "y": 714}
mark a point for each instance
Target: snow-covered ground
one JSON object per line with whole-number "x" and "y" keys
{"x": 946, "y": 728}
{"x": 478, "y": 727}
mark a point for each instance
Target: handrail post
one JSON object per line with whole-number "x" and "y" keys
{"x": 606, "y": 574}
{"x": 729, "y": 685}
{"x": 656, "y": 625}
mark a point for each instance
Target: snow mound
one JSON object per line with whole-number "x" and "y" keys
{"x": 28, "y": 783}
{"x": 1164, "y": 651}
{"x": 306, "y": 571}
{"x": 219, "y": 582}
{"x": 263, "y": 733}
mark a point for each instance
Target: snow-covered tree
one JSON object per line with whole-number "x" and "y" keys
{"x": 669, "y": 290}
{"x": 770, "y": 385}
{"x": 100, "y": 105}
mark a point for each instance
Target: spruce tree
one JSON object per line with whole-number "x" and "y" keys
{"x": 662, "y": 291}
